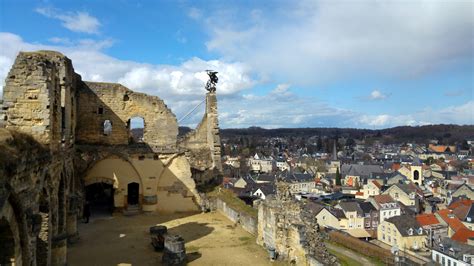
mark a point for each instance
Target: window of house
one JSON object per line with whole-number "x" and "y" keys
{"x": 100, "y": 110}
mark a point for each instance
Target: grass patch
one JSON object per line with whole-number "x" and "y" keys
{"x": 233, "y": 201}
{"x": 343, "y": 259}
{"x": 375, "y": 261}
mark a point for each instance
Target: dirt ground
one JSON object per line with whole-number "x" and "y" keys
{"x": 211, "y": 239}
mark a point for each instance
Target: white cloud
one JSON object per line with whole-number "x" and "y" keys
{"x": 377, "y": 95}
{"x": 74, "y": 21}
{"x": 316, "y": 41}
{"x": 460, "y": 114}
{"x": 181, "y": 86}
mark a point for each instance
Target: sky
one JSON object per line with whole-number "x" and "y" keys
{"x": 357, "y": 64}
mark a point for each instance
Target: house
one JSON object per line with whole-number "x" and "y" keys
{"x": 456, "y": 229}
{"x": 331, "y": 218}
{"x": 434, "y": 229}
{"x": 386, "y": 206}
{"x": 354, "y": 215}
{"x": 449, "y": 252}
{"x": 282, "y": 165}
{"x": 464, "y": 211}
{"x": 372, "y": 188}
{"x": 396, "y": 178}
{"x": 300, "y": 183}
{"x": 260, "y": 164}
{"x": 403, "y": 232}
{"x": 405, "y": 193}
{"x": 262, "y": 191}
{"x": 370, "y": 214}
{"x": 463, "y": 190}
{"x": 356, "y": 174}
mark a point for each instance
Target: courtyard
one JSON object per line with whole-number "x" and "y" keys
{"x": 211, "y": 239}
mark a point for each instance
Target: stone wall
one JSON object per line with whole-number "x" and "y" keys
{"x": 286, "y": 226}
{"x": 248, "y": 223}
{"x": 98, "y": 102}
{"x": 38, "y": 97}
{"x": 54, "y": 137}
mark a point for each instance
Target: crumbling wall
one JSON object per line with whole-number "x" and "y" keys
{"x": 34, "y": 181}
{"x": 285, "y": 226}
{"x": 98, "y": 102}
{"x": 38, "y": 97}
{"x": 204, "y": 142}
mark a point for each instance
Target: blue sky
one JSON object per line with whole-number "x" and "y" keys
{"x": 365, "y": 64}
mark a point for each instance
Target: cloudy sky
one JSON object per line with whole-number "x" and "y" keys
{"x": 364, "y": 64}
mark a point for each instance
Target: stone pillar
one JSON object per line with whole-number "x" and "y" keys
{"x": 213, "y": 139}
{"x": 71, "y": 227}
{"x": 59, "y": 250}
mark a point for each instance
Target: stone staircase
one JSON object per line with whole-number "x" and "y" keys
{"x": 132, "y": 210}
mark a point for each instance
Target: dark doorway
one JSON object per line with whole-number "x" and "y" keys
{"x": 101, "y": 198}
{"x": 7, "y": 243}
{"x": 133, "y": 190}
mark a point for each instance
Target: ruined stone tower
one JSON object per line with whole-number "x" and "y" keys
{"x": 62, "y": 136}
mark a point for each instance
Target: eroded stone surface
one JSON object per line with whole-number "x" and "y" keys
{"x": 54, "y": 144}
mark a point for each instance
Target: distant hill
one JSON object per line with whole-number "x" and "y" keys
{"x": 421, "y": 134}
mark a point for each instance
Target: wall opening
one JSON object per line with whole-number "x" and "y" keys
{"x": 136, "y": 126}
{"x": 43, "y": 238}
{"x": 7, "y": 243}
{"x": 416, "y": 175}
{"x": 100, "y": 197}
{"x": 133, "y": 193}
{"x": 107, "y": 130}
{"x": 62, "y": 205}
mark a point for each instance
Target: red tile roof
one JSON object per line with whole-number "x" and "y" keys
{"x": 448, "y": 216}
{"x": 383, "y": 198}
{"x": 427, "y": 219}
{"x": 462, "y": 235}
{"x": 359, "y": 193}
{"x": 461, "y": 202}
{"x": 376, "y": 183}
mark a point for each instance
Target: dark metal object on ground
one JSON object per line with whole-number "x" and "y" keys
{"x": 175, "y": 252}
{"x": 158, "y": 234}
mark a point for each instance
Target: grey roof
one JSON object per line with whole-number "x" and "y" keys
{"x": 297, "y": 177}
{"x": 360, "y": 170}
{"x": 367, "y": 207}
{"x": 454, "y": 249}
{"x": 404, "y": 223}
{"x": 351, "y": 206}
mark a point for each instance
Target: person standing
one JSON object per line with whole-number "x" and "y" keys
{"x": 87, "y": 212}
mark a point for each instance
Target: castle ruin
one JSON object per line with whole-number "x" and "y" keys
{"x": 65, "y": 141}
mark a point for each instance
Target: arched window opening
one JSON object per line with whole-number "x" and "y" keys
{"x": 136, "y": 126}
{"x": 416, "y": 175}
{"x": 107, "y": 127}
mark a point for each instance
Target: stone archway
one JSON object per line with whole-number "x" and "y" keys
{"x": 10, "y": 245}
{"x": 118, "y": 173}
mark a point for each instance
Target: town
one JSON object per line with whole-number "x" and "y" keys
{"x": 412, "y": 199}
